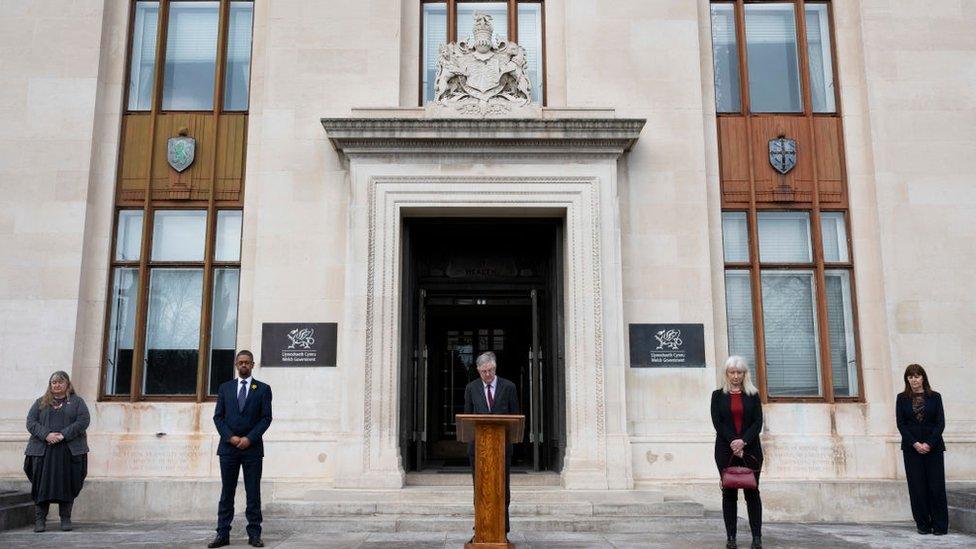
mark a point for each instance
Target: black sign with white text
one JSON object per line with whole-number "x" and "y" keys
{"x": 304, "y": 344}
{"x": 667, "y": 346}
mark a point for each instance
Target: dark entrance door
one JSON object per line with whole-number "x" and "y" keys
{"x": 476, "y": 286}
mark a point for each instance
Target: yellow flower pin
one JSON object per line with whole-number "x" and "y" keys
{"x": 253, "y": 386}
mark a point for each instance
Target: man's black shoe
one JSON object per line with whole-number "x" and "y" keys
{"x": 219, "y": 542}
{"x": 939, "y": 532}
{"x": 255, "y": 542}
{"x": 924, "y": 531}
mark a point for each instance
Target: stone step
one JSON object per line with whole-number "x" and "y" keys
{"x": 962, "y": 519}
{"x": 568, "y": 509}
{"x": 962, "y": 506}
{"x": 463, "y": 494}
{"x": 464, "y": 479}
{"x": 628, "y": 525}
{"x": 16, "y": 509}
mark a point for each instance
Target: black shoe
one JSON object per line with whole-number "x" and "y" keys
{"x": 64, "y": 510}
{"x": 924, "y": 531}
{"x": 40, "y": 518}
{"x": 219, "y": 541}
{"x": 730, "y": 544}
{"x": 938, "y": 533}
{"x": 255, "y": 542}
{"x": 757, "y": 542}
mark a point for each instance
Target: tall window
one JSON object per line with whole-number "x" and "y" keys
{"x": 444, "y": 21}
{"x": 171, "y": 327}
{"x": 790, "y": 299}
{"x": 771, "y": 63}
{"x": 193, "y": 35}
{"x": 192, "y": 262}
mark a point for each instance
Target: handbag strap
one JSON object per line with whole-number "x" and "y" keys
{"x": 744, "y": 456}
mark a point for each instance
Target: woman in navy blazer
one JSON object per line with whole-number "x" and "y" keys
{"x": 921, "y": 420}
{"x": 737, "y": 417}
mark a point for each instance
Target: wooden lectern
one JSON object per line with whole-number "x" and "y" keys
{"x": 490, "y": 434}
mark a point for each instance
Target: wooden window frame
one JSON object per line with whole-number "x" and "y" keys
{"x": 819, "y": 266}
{"x": 159, "y": 67}
{"x": 512, "y": 35}
{"x": 149, "y": 206}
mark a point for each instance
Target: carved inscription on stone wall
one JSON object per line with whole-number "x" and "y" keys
{"x": 151, "y": 456}
{"x": 804, "y": 459}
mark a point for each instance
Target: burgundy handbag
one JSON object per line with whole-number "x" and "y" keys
{"x": 739, "y": 476}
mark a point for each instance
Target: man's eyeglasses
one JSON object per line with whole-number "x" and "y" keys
{"x": 240, "y": 362}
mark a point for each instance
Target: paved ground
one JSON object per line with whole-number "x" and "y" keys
{"x": 297, "y": 533}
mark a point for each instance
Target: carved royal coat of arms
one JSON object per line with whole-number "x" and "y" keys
{"x": 480, "y": 76}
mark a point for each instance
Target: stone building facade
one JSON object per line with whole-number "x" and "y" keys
{"x": 345, "y": 181}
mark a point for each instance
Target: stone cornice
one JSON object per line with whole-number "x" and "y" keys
{"x": 463, "y": 136}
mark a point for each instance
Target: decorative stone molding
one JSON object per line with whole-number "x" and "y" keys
{"x": 524, "y": 136}
{"x": 407, "y": 165}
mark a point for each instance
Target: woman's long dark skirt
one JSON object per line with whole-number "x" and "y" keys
{"x": 57, "y": 476}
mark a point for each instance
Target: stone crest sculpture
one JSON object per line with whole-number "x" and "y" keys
{"x": 481, "y": 77}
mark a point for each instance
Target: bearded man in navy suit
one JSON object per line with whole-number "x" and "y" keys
{"x": 242, "y": 415}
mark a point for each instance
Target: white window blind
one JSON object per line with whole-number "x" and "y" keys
{"x": 735, "y": 237}
{"x": 435, "y": 35}
{"x": 238, "y": 71}
{"x": 784, "y": 237}
{"x": 191, "y": 56}
{"x": 840, "y": 319}
{"x": 178, "y": 235}
{"x": 774, "y": 73}
{"x": 790, "y": 329}
{"x": 738, "y": 309}
{"x": 530, "y": 38}
{"x": 819, "y": 57}
{"x": 725, "y": 59}
{"x": 143, "y": 62}
{"x": 834, "y": 234}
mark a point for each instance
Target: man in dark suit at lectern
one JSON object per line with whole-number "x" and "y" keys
{"x": 242, "y": 415}
{"x": 491, "y": 395}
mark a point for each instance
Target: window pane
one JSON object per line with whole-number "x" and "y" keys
{"x": 143, "y": 62}
{"x": 819, "y": 57}
{"x": 173, "y": 331}
{"x": 435, "y": 36}
{"x": 784, "y": 237}
{"x": 223, "y": 331}
{"x": 834, "y": 233}
{"x": 725, "y": 58}
{"x": 178, "y": 235}
{"x": 121, "y": 331}
{"x": 790, "y": 329}
{"x": 774, "y": 74}
{"x": 191, "y": 56}
{"x": 228, "y": 235}
{"x": 738, "y": 308}
{"x": 735, "y": 237}
{"x": 840, "y": 319}
{"x": 465, "y": 19}
{"x": 530, "y": 38}
{"x": 128, "y": 238}
{"x": 238, "y": 72}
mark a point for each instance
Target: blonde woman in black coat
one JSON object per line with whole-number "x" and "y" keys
{"x": 737, "y": 417}
{"x": 921, "y": 420}
{"x": 56, "y": 459}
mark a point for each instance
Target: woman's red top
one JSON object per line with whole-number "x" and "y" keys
{"x": 737, "y": 412}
